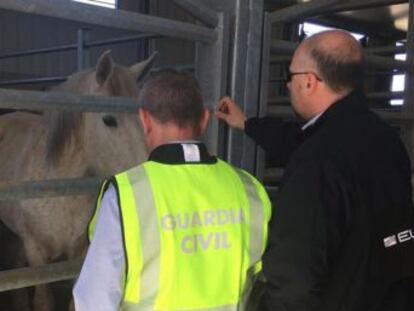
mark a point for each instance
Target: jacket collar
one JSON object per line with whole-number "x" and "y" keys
{"x": 182, "y": 153}
{"x": 352, "y": 103}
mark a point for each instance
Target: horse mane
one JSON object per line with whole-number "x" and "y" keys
{"x": 63, "y": 127}
{"x": 63, "y": 131}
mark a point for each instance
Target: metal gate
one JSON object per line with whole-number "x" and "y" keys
{"x": 211, "y": 43}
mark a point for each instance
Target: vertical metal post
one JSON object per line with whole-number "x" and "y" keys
{"x": 264, "y": 87}
{"x": 245, "y": 77}
{"x": 407, "y": 130}
{"x": 83, "y": 54}
{"x": 211, "y": 72}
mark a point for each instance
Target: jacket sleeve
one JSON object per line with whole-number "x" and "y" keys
{"x": 277, "y": 137}
{"x": 100, "y": 283}
{"x": 304, "y": 232}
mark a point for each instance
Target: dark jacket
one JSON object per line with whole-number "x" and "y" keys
{"x": 342, "y": 232}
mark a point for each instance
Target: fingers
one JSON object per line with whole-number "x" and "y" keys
{"x": 230, "y": 112}
{"x": 224, "y": 110}
{"x": 221, "y": 115}
{"x": 226, "y": 104}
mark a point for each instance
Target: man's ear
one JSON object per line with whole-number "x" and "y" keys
{"x": 204, "y": 121}
{"x": 146, "y": 120}
{"x": 311, "y": 84}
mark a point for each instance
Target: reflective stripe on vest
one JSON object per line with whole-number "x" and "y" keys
{"x": 189, "y": 250}
{"x": 258, "y": 230}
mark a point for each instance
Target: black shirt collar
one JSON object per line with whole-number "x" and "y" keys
{"x": 177, "y": 153}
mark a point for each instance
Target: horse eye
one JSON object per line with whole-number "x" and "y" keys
{"x": 110, "y": 121}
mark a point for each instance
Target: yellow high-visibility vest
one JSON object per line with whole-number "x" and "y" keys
{"x": 193, "y": 235}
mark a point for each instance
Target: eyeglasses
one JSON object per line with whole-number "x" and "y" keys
{"x": 289, "y": 75}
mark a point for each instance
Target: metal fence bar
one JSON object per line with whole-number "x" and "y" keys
{"x": 389, "y": 72}
{"x": 283, "y": 46}
{"x": 288, "y": 47}
{"x": 198, "y": 9}
{"x": 84, "y": 13}
{"x": 319, "y": 7}
{"x": 49, "y": 188}
{"x": 61, "y": 48}
{"x": 301, "y": 11}
{"x": 397, "y": 116}
{"x": 31, "y": 276}
{"x": 380, "y": 50}
{"x": 59, "y": 101}
{"x": 387, "y": 50}
{"x": 81, "y": 53}
{"x": 127, "y": 39}
{"x": 384, "y": 62}
{"x": 212, "y": 76}
{"x": 359, "y": 5}
{"x": 33, "y": 81}
{"x": 62, "y": 79}
{"x": 245, "y": 76}
{"x": 71, "y": 47}
{"x": 373, "y": 96}
{"x": 259, "y": 157}
{"x": 280, "y": 59}
{"x": 386, "y": 95}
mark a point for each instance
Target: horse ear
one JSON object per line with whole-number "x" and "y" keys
{"x": 104, "y": 67}
{"x": 140, "y": 70}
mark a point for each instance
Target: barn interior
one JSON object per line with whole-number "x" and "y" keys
{"x": 43, "y": 42}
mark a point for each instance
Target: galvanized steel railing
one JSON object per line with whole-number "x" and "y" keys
{"x": 211, "y": 42}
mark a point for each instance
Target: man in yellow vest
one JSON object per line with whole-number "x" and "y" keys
{"x": 182, "y": 231}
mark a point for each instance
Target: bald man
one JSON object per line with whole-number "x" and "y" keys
{"x": 342, "y": 233}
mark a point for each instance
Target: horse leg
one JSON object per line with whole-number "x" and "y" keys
{"x": 36, "y": 256}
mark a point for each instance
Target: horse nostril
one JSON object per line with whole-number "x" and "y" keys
{"x": 110, "y": 121}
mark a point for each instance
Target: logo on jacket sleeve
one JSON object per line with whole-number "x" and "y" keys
{"x": 399, "y": 238}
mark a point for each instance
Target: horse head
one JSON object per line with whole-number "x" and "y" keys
{"x": 106, "y": 142}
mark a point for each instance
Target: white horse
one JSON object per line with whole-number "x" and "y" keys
{"x": 67, "y": 145}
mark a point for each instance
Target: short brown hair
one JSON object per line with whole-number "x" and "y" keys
{"x": 339, "y": 74}
{"x": 173, "y": 96}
